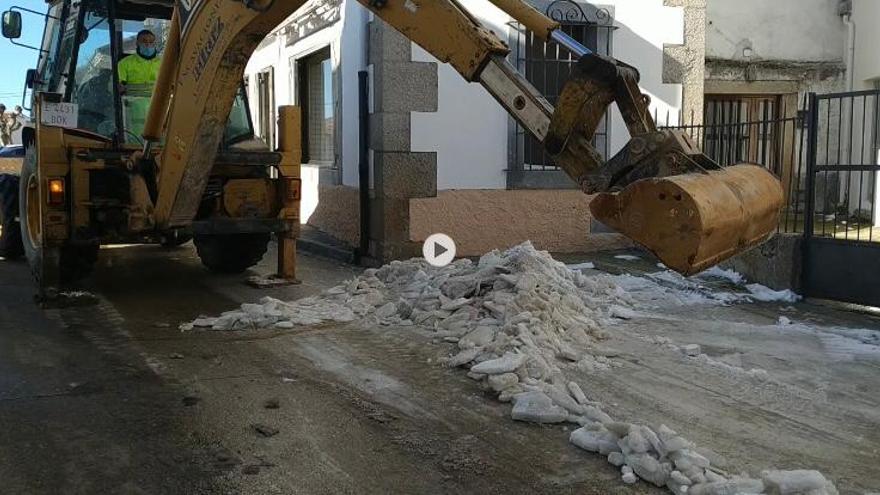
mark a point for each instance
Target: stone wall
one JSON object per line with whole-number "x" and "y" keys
{"x": 777, "y": 263}
{"x": 684, "y": 64}
{"x": 400, "y": 86}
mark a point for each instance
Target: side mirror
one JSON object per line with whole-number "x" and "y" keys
{"x": 12, "y": 24}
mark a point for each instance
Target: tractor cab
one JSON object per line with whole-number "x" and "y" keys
{"x": 89, "y": 177}
{"x": 83, "y": 44}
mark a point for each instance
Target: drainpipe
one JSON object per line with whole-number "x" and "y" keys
{"x": 850, "y": 57}
{"x": 850, "y": 50}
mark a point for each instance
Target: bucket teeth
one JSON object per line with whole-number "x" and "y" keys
{"x": 694, "y": 221}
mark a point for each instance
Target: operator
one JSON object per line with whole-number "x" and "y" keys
{"x": 141, "y": 67}
{"x": 137, "y": 76}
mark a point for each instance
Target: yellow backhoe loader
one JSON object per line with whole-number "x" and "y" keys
{"x": 91, "y": 176}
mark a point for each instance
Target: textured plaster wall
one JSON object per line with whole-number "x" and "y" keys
{"x": 685, "y": 63}
{"x": 482, "y": 220}
{"x": 866, "y": 14}
{"x": 820, "y": 77}
{"x": 802, "y": 41}
{"x": 791, "y": 30}
{"x": 338, "y": 213}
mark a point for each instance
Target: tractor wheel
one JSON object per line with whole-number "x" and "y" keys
{"x": 51, "y": 266}
{"x": 10, "y": 232}
{"x": 231, "y": 253}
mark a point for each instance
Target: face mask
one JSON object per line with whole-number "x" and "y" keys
{"x": 146, "y": 52}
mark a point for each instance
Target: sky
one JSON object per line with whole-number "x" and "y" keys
{"x": 16, "y": 60}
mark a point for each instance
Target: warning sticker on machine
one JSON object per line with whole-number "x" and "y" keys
{"x": 59, "y": 114}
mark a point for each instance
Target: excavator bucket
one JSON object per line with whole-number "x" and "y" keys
{"x": 696, "y": 220}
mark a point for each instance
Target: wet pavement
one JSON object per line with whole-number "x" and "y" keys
{"x": 110, "y": 397}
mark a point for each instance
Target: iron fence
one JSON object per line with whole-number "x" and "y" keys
{"x": 843, "y": 169}
{"x": 767, "y": 130}
{"x": 824, "y": 148}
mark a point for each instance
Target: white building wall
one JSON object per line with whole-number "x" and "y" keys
{"x": 866, "y": 75}
{"x": 469, "y": 131}
{"x": 866, "y": 14}
{"x": 793, "y": 30}
{"x": 347, "y": 39}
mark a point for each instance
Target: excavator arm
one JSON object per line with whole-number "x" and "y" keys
{"x": 659, "y": 190}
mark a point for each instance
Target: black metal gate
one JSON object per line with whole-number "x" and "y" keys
{"x": 842, "y": 224}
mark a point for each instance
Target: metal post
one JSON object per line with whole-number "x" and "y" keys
{"x": 364, "y": 163}
{"x": 810, "y": 200}
{"x": 290, "y": 147}
{"x": 812, "y": 151}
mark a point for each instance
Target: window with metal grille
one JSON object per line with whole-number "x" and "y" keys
{"x": 548, "y": 66}
{"x": 316, "y": 98}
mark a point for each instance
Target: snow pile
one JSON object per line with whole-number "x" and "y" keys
{"x": 518, "y": 319}
{"x": 765, "y": 294}
{"x": 273, "y": 312}
{"x": 690, "y": 291}
{"x": 664, "y": 458}
{"x": 727, "y": 274}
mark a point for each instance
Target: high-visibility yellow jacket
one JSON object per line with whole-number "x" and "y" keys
{"x": 135, "y": 69}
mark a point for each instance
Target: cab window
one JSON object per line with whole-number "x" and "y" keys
{"x": 93, "y": 80}
{"x": 51, "y": 36}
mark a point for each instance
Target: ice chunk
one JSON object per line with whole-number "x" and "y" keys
{"x": 204, "y": 322}
{"x": 635, "y": 441}
{"x": 766, "y": 294}
{"x": 622, "y": 313}
{"x": 502, "y": 381}
{"x": 464, "y": 357}
{"x": 597, "y": 415}
{"x": 649, "y": 468}
{"x": 582, "y": 266}
{"x": 536, "y": 407}
{"x": 680, "y": 479}
{"x": 479, "y": 337}
{"x": 627, "y": 475}
{"x": 615, "y": 458}
{"x": 728, "y": 275}
{"x": 602, "y": 441}
{"x": 387, "y": 310}
{"x": 654, "y": 440}
{"x": 736, "y": 486}
{"x": 797, "y": 482}
{"x": 577, "y": 393}
{"x": 507, "y": 363}
{"x": 692, "y": 350}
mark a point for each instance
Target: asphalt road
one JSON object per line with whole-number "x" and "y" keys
{"x": 108, "y": 396}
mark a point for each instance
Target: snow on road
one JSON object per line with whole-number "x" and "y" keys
{"x": 525, "y": 324}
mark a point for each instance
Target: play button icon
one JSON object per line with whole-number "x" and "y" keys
{"x": 439, "y": 250}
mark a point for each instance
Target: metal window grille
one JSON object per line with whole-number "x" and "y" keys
{"x": 315, "y": 88}
{"x": 548, "y": 66}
